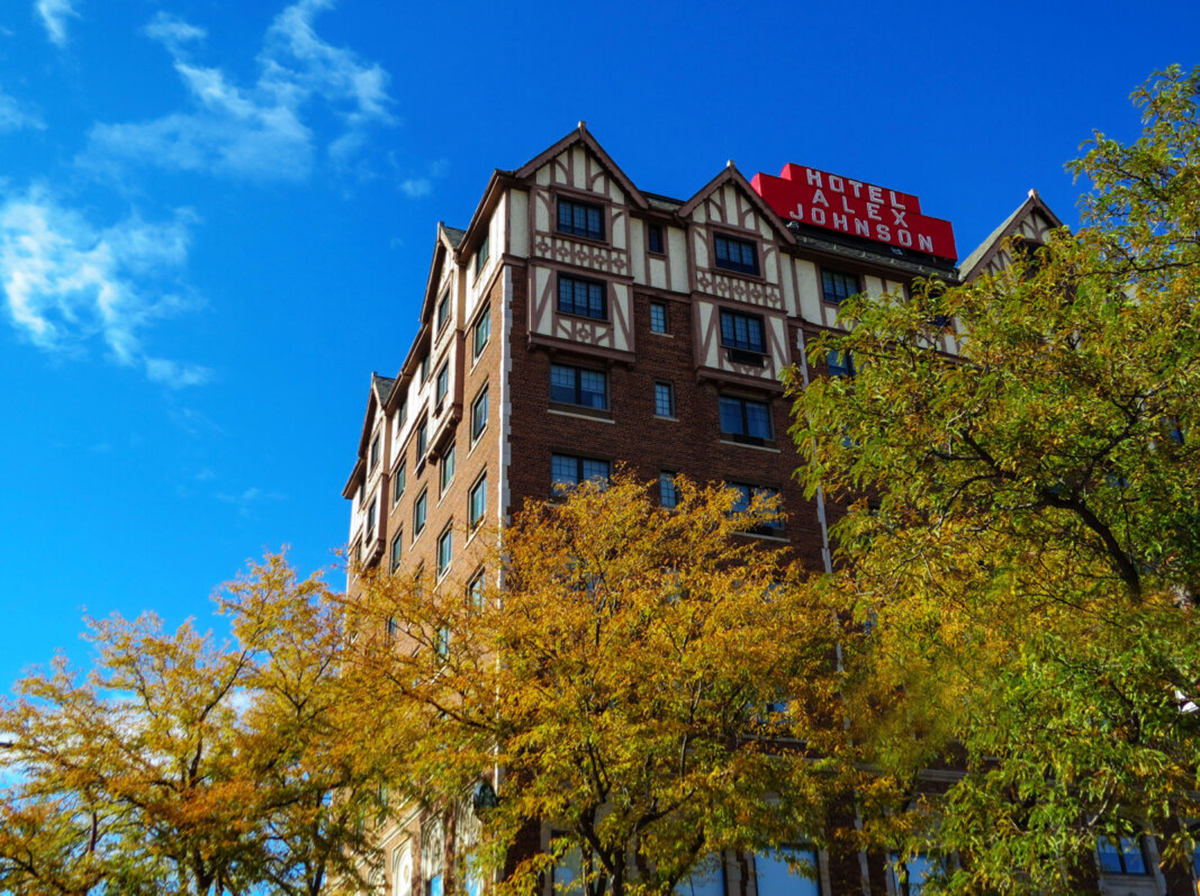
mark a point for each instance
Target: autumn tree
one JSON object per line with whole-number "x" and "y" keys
{"x": 180, "y": 765}
{"x": 1022, "y": 557}
{"x": 650, "y": 684}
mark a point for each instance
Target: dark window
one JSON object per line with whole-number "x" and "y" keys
{"x": 477, "y": 502}
{"x": 941, "y": 321}
{"x": 446, "y": 470}
{"x": 567, "y": 470}
{"x": 372, "y": 515}
{"x": 398, "y": 481}
{"x": 481, "y": 255}
{"x": 655, "y": 234}
{"x": 658, "y": 317}
{"x": 667, "y": 492}
{"x": 483, "y": 330}
{"x": 445, "y": 550}
{"x": 425, "y": 368}
{"x": 443, "y": 310}
{"x": 745, "y": 419}
{"x": 442, "y": 386}
{"x": 374, "y": 452}
{"x": 836, "y": 287}
{"x": 840, "y": 363}
{"x": 422, "y": 439}
{"x": 736, "y": 255}
{"x": 393, "y": 628}
{"x": 579, "y": 386}
{"x": 420, "y": 509}
{"x": 742, "y": 503}
{"x": 479, "y": 414}
{"x": 742, "y": 331}
{"x": 402, "y": 414}
{"x": 583, "y": 297}
{"x": 580, "y": 219}
{"x": 396, "y": 542}
{"x": 664, "y": 399}
{"x": 1122, "y": 855}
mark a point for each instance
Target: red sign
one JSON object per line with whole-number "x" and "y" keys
{"x": 855, "y": 208}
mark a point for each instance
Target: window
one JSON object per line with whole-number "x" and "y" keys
{"x": 664, "y": 399}
{"x": 433, "y": 886}
{"x": 580, "y": 219}
{"x": 1121, "y": 855}
{"x": 446, "y": 470}
{"x": 742, "y": 503}
{"x": 582, "y": 297}
{"x": 475, "y": 590}
{"x": 477, "y": 502}
{"x": 442, "y": 386}
{"x": 479, "y": 415}
{"x": 668, "y": 495}
{"x": 579, "y": 386}
{"x": 374, "y": 453}
{"x": 776, "y": 877}
{"x": 736, "y": 255}
{"x": 398, "y": 478}
{"x": 565, "y": 871}
{"x": 481, "y": 254}
{"x": 443, "y": 311}
{"x": 840, "y": 363}
{"x": 745, "y": 419}
{"x": 396, "y": 550}
{"x": 445, "y": 550}
{"x": 422, "y": 439}
{"x": 742, "y": 331}
{"x": 654, "y": 235}
{"x": 401, "y": 415}
{"x": 372, "y": 515}
{"x": 482, "y": 331}
{"x": 420, "y": 509}
{"x": 658, "y": 317}
{"x": 425, "y": 368}
{"x": 567, "y": 470}
{"x": 909, "y": 877}
{"x": 836, "y": 287}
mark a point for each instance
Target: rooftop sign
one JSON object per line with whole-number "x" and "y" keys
{"x": 855, "y": 208}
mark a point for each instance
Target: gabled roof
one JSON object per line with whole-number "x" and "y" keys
{"x": 581, "y": 135}
{"x": 730, "y": 174}
{"x": 987, "y": 250}
{"x": 381, "y": 388}
{"x": 447, "y": 241}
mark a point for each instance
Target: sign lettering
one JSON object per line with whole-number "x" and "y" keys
{"x": 852, "y": 207}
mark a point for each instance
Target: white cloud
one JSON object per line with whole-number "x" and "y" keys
{"x": 173, "y": 31}
{"x": 54, "y": 15}
{"x": 259, "y": 131}
{"x": 13, "y": 117}
{"x": 67, "y": 283}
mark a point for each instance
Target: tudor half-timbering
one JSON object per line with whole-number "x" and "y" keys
{"x": 579, "y": 322}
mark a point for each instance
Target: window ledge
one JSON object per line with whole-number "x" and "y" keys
{"x": 581, "y": 416}
{"x": 662, "y": 335}
{"x": 668, "y": 419}
{"x": 768, "y": 448}
{"x": 762, "y": 536}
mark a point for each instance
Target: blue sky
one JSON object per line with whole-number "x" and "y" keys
{"x": 216, "y": 219}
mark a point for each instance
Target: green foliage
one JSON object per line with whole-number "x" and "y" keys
{"x": 1023, "y": 570}
{"x": 622, "y": 681}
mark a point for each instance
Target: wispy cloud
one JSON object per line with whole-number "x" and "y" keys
{"x": 13, "y": 117}
{"x": 247, "y": 500}
{"x": 262, "y": 131}
{"x": 54, "y": 15}
{"x": 67, "y": 282}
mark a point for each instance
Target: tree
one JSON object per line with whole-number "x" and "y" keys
{"x": 648, "y": 683}
{"x": 1021, "y": 558}
{"x": 178, "y": 765}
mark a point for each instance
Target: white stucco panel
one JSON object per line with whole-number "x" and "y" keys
{"x": 518, "y": 223}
